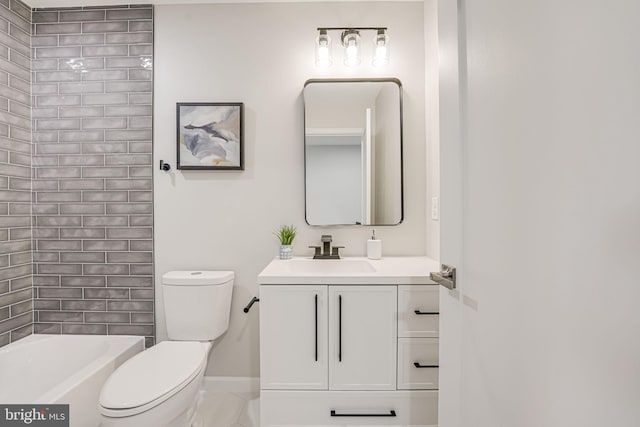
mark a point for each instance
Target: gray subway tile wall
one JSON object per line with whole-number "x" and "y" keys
{"x": 92, "y": 159}
{"x": 16, "y": 282}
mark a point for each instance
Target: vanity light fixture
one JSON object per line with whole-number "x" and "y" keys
{"x": 350, "y": 40}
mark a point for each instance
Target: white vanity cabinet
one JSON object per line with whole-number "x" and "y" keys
{"x": 357, "y": 353}
{"x": 346, "y": 349}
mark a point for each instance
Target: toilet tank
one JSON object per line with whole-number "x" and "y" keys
{"x": 197, "y": 304}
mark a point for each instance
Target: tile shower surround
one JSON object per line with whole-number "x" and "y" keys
{"x": 16, "y": 291}
{"x": 92, "y": 167}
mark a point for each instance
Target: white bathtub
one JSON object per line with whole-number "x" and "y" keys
{"x": 69, "y": 369}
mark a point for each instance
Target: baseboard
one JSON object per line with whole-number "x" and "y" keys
{"x": 231, "y": 384}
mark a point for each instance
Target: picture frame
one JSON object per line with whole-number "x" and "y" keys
{"x": 209, "y": 135}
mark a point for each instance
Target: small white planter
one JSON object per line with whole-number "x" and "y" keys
{"x": 285, "y": 251}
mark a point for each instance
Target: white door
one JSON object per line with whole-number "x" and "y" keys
{"x": 293, "y": 337}
{"x": 362, "y": 337}
{"x": 539, "y": 138}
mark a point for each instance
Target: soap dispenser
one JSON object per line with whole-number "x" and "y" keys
{"x": 374, "y": 247}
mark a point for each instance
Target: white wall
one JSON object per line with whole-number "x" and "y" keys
{"x": 261, "y": 54}
{"x": 336, "y": 105}
{"x": 431, "y": 122}
{"x": 549, "y": 319}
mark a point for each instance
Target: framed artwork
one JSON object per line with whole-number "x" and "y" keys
{"x": 209, "y": 135}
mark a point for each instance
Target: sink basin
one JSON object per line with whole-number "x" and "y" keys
{"x": 328, "y": 266}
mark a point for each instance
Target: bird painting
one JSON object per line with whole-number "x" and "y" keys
{"x": 209, "y": 135}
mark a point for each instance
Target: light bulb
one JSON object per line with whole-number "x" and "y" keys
{"x": 381, "y": 45}
{"x": 323, "y": 50}
{"x": 350, "y": 42}
{"x": 352, "y": 56}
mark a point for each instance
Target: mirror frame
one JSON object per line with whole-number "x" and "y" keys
{"x": 304, "y": 130}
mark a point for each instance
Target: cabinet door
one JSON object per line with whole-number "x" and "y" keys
{"x": 362, "y": 337}
{"x": 293, "y": 337}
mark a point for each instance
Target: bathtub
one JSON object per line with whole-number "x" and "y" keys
{"x": 69, "y": 369}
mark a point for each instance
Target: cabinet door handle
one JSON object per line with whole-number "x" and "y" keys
{"x": 316, "y": 324}
{"x": 391, "y": 413}
{"x": 418, "y": 365}
{"x": 421, "y": 313}
{"x": 339, "y": 328}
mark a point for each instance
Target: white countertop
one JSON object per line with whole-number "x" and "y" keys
{"x": 349, "y": 271}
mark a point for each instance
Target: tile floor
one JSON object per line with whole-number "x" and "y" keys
{"x": 229, "y": 409}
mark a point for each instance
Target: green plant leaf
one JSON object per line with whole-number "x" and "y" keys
{"x": 286, "y": 234}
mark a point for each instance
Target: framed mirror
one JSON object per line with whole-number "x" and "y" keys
{"x": 353, "y": 152}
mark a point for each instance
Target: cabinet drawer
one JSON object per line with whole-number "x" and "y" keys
{"x": 418, "y": 363}
{"x": 418, "y": 310}
{"x": 314, "y": 408}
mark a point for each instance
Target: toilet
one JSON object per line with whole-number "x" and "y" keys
{"x": 159, "y": 387}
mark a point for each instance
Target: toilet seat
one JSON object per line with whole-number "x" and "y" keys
{"x": 160, "y": 372}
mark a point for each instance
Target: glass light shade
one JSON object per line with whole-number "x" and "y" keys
{"x": 323, "y": 50}
{"x": 381, "y": 49}
{"x": 351, "y": 52}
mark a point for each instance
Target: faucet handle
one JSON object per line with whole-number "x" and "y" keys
{"x": 334, "y": 251}
{"x": 317, "y": 250}
{"x": 326, "y": 238}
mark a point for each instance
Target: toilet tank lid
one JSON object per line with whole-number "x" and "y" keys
{"x": 197, "y": 277}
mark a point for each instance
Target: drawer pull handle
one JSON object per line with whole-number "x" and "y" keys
{"x": 339, "y": 328}
{"x": 316, "y": 324}
{"x": 418, "y": 365}
{"x": 391, "y": 413}
{"x": 420, "y": 313}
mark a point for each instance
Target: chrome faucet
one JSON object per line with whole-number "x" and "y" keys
{"x": 327, "y": 251}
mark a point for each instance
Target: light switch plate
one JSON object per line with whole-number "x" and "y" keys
{"x": 435, "y": 208}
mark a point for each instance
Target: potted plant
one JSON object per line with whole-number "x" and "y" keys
{"x": 286, "y": 234}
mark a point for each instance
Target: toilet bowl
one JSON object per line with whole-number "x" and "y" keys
{"x": 159, "y": 387}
